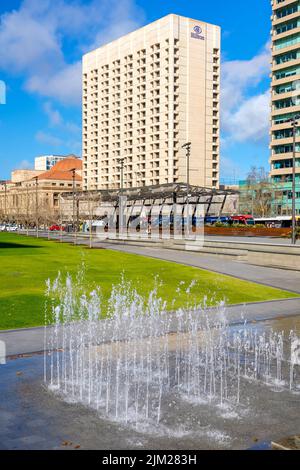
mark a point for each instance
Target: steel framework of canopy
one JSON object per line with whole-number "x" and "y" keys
{"x": 166, "y": 194}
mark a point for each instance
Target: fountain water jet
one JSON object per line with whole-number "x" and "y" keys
{"x": 127, "y": 357}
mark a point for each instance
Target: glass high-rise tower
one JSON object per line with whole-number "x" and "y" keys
{"x": 285, "y": 91}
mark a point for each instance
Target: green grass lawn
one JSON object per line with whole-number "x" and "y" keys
{"x": 26, "y": 263}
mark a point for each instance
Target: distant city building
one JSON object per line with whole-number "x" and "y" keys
{"x": 17, "y": 176}
{"x": 144, "y": 96}
{"x": 232, "y": 203}
{"x": 46, "y": 162}
{"x": 285, "y": 90}
{"x": 27, "y": 188}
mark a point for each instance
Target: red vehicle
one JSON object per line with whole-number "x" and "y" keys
{"x": 56, "y": 228}
{"x": 242, "y": 219}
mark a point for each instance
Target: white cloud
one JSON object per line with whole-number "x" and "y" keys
{"x": 250, "y": 121}
{"x": 33, "y": 41}
{"x": 70, "y": 130}
{"x": 48, "y": 139}
{"x": 64, "y": 86}
{"x": 230, "y": 170}
{"x": 25, "y": 42}
{"x": 24, "y": 165}
{"x": 73, "y": 128}
{"x": 245, "y": 112}
{"x": 55, "y": 118}
{"x": 122, "y": 18}
{"x": 71, "y": 145}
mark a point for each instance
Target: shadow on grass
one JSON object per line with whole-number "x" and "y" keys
{"x": 16, "y": 245}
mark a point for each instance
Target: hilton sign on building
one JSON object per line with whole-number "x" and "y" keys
{"x": 144, "y": 96}
{"x": 197, "y": 31}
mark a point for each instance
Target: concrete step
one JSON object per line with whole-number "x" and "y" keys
{"x": 186, "y": 246}
{"x": 259, "y": 254}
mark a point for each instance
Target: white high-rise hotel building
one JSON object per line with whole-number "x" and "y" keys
{"x": 144, "y": 96}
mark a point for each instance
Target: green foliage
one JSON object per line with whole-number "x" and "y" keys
{"x": 297, "y": 233}
{"x": 220, "y": 224}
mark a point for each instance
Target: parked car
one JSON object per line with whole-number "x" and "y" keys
{"x": 56, "y": 228}
{"x": 242, "y": 220}
{"x": 11, "y": 228}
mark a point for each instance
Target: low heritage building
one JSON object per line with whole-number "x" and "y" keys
{"x": 32, "y": 196}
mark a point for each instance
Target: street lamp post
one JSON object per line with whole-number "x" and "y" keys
{"x": 60, "y": 216}
{"x": 295, "y": 124}
{"x": 36, "y": 205}
{"x": 73, "y": 170}
{"x": 5, "y": 201}
{"x": 121, "y": 161}
{"x": 27, "y": 208}
{"x": 187, "y": 148}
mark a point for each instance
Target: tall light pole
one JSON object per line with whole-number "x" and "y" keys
{"x": 121, "y": 161}
{"x": 295, "y": 124}
{"x": 27, "y": 208}
{"x": 60, "y": 216}
{"x": 36, "y": 205}
{"x": 73, "y": 170}
{"x": 187, "y": 148}
{"x": 5, "y": 201}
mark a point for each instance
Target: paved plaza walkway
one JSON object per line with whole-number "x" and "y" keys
{"x": 280, "y": 278}
{"x": 31, "y": 340}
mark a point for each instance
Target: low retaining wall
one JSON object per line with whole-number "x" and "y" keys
{"x": 247, "y": 231}
{"x": 260, "y": 254}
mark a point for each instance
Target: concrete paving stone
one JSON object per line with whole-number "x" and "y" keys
{"x": 17, "y": 340}
{"x": 6, "y": 417}
{"x": 31, "y": 439}
{"x": 36, "y": 423}
{"x": 262, "y": 415}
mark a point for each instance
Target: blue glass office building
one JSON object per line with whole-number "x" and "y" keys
{"x": 285, "y": 91}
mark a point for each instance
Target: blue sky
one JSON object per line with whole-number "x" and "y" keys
{"x": 41, "y": 44}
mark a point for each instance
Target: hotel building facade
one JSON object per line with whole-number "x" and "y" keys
{"x": 285, "y": 92}
{"x": 144, "y": 96}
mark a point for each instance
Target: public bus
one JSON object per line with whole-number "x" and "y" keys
{"x": 213, "y": 219}
{"x": 278, "y": 222}
{"x": 233, "y": 220}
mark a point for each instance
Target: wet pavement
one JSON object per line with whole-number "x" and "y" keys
{"x": 29, "y": 340}
{"x": 32, "y": 417}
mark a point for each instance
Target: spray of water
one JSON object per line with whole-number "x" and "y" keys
{"x": 126, "y": 356}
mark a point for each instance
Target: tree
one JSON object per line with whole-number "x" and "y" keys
{"x": 258, "y": 194}
{"x": 92, "y": 205}
{"x": 257, "y": 175}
